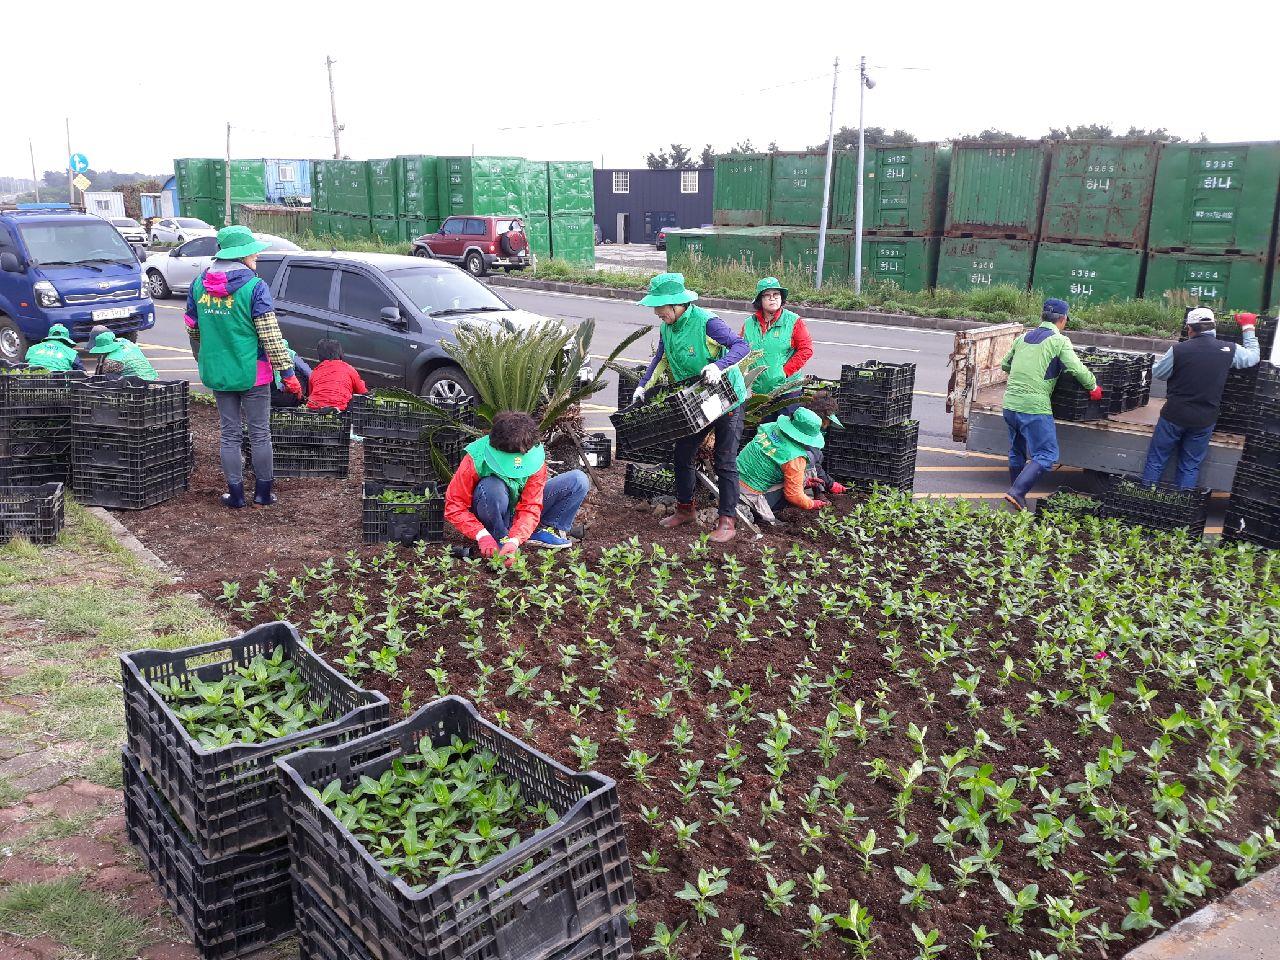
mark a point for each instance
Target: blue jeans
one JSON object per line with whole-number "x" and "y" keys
{"x": 561, "y": 499}
{"x": 1032, "y": 436}
{"x": 1192, "y": 445}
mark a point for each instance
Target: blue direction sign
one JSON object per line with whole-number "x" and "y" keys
{"x": 79, "y": 163}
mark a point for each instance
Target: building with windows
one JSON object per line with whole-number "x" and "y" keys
{"x": 633, "y": 205}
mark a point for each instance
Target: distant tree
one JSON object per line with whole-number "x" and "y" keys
{"x": 743, "y": 146}
{"x": 708, "y": 157}
{"x": 656, "y": 161}
{"x": 989, "y": 135}
{"x": 846, "y": 138}
{"x": 773, "y": 146}
{"x": 677, "y": 158}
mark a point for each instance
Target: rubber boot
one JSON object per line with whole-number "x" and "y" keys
{"x": 234, "y": 497}
{"x": 1017, "y": 495}
{"x": 1013, "y": 475}
{"x": 725, "y": 530}
{"x": 262, "y": 495}
{"x": 684, "y": 514}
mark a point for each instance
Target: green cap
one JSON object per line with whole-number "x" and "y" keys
{"x": 804, "y": 427}
{"x": 236, "y": 242}
{"x": 106, "y": 343}
{"x": 60, "y": 332}
{"x": 770, "y": 283}
{"x": 666, "y": 289}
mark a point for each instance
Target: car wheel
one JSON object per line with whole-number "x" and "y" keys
{"x": 13, "y": 345}
{"x": 181, "y": 239}
{"x": 424, "y": 252}
{"x": 159, "y": 287}
{"x": 447, "y": 385}
{"x": 475, "y": 264}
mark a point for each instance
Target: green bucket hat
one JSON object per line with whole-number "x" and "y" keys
{"x": 517, "y": 466}
{"x": 770, "y": 283}
{"x": 60, "y": 332}
{"x": 804, "y": 427}
{"x": 236, "y": 242}
{"x": 666, "y": 289}
{"x": 106, "y": 343}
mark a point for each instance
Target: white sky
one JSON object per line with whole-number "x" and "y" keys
{"x": 610, "y": 82}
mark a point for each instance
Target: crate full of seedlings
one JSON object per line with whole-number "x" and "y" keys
{"x": 308, "y": 444}
{"x": 397, "y": 415}
{"x": 1159, "y": 506}
{"x": 32, "y": 512}
{"x": 35, "y": 425}
{"x": 1065, "y": 504}
{"x": 598, "y": 450}
{"x": 1070, "y": 400}
{"x": 231, "y": 906}
{"x": 885, "y": 470}
{"x": 647, "y": 482}
{"x": 673, "y": 415}
{"x": 128, "y": 403}
{"x": 549, "y": 867}
{"x": 895, "y": 440}
{"x": 390, "y": 515}
{"x": 207, "y": 722}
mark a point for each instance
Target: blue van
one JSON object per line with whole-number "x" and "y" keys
{"x": 63, "y": 266}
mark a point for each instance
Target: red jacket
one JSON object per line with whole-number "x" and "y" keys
{"x": 332, "y": 384}
{"x": 461, "y": 493}
{"x": 801, "y": 342}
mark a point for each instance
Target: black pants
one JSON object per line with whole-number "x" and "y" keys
{"x": 728, "y": 435}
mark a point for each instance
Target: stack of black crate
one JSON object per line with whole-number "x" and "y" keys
{"x": 400, "y": 437}
{"x": 1238, "y": 412}
{"x": 35, "y": 425}
{"x": 307, "y": 444}
{"x": 878, "y": 442}
{"x": 1253, "y": 514}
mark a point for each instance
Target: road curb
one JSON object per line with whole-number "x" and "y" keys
{"x": 131, "y": 543}
{"x": 1084, "y": 338}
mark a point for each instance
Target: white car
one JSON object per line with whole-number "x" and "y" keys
{"x": 129, "y": 228}
{"x": 173, "y": 271}
{"x": 180, "y": 229}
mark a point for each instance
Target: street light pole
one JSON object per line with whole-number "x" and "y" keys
{"x": 865, "y": 83}
{"x": 71, "y": 190}
{"x": 35, "y": 180}
{"x": 826, "y": 180}
{"x": 333, "y": 110}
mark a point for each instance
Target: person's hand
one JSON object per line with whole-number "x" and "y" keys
{"x": 837, "y": 488}
{"x": 1095, "y": 393}
{"x": 711, "y": 373}
{"x": 1247, "y": 320}
{"x": 486, "y": 545}
{"x": 291, "y": 384}
{"x": 508, "y": 551}
{"x": 638, "y": 396}
{"x": 819, "y": 504}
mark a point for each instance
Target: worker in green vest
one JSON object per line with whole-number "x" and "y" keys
{"x": 118, "y": 357}
{"x": 56, "y": 352}
{"x": 783, "y": 339}
{"x": 773, "y": 466}
{"x": 695, "y": 344}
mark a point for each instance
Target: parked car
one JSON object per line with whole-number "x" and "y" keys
{"x": 660, "y": 241}
{"x": 129, "y": 228}
{"x": 173, "y": 271}
{"x": 478, "y": 243}
{"x": 179, "y": 229}
{"x": 391, "y": 314}
{"x": 66, "y": 267}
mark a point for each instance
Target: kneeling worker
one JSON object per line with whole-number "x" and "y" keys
{"x": 773, "y": 466}
{"x": 1034, "y": 363}
{"x": 55, "y": 353}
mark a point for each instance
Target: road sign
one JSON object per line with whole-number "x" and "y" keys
{"x": 82, "y": 182}
{"x": 78, "y": 163}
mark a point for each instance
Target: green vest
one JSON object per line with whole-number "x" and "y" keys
{"x": 687, "y": 350}
{"x": 515, "y": 485}
{"x": 51, "y": 355}
{"x": 760, "y": 462}
{"x": 228, "y": 339}
{"x": 775, "y": 343}
{"x": 134, "y": 361}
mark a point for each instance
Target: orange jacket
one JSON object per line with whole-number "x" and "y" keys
{"x": 459, "y": 497}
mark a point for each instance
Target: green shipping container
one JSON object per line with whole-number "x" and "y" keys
{"x": 321, "y": 222}
{"x": 248, "y": 181}
{"x": 973, "y": 263}
{"x": 1216, "y": 198}
{"x": 756, "y": 248}
{"x": 385, "y": 228}
{"x": 571, "y": 186}
{"x": 1082, "y": 275}
{"x": 1100, "y": 191}
{"x": 212, "y": 212}
{"x": 351, "y": 226}
{"x": 194, "y": 177}
{"x": 795, "y": 189}
{"x": 384, "y": 188}
{"x": 419, "y": 194}
{"x": 799, "y": 251}
{"x": 535, "y": 191}
{"x": 485, "y": 186}
{"x": 409, "y": 229}
{"x": 741, "y": 194}
{"x": 537, "y": 229}
{"x": 911, "y": 263}
{"x": 905, "y": 190}
{"x": 996, "y": 189}
{"x": 573, "y": 238}
{"x": 350, "y": 193}
{"x": 1224, "y": 283}
{"x": 687, "y": 243}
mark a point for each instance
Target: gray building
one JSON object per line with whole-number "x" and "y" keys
{"x": 632, "y": 205}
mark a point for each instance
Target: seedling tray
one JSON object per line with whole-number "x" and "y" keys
{"x": 681, "y": 413}
{"x": 645, "y": 483}
{"x": 599, "y": 450}
{"x": 129, "y": 402}
{"x": 871, "y": 411}
{"x": 34, "y": 512}
{"x": 392, "y": 419}
{"x": 31, "y": 392}
{"x": 879, "y": 381}
{"x": 1065, "y": 503}
{"x": 228, "y": 798}
{"x": 1159, "y": 506}
{"x": 232, "y": 906}
{"x": 385, "y": 522}
{"x": 580, "y": 878}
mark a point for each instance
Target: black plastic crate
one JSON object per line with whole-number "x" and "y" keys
{"x": 1227, "y": 329}
{"x": 32, "y": 392}
{"x": 128, "y": 402}
{"x": 304, "y": 461}
{"x": 1070, "y": 400}
{"x": 628, "y": 380}
{"x": 1257, "y": 483}
{"x": 228, "y": 798}
{"x": 1160, "y": 506}
{"x": 404, "y": 523}
{"x": 896, "y": 440}
{"x": 401, "y": 464}
{"x": 580, "y": 877}
{"x": 119, "y": 489}
{"x": 1250, "y": 521}
{"x": 26, "y": 429}
{"x": 647, "y": 482}
{"x": 599, "y": 450}
{"x": 876, "y": 380}
{"x": 1267, "y": 384}
{"x": 394, "y": 419}
{"x": 34, "y": 512}
{"x": 1066, "y": 502}
{"x": 311, "y": 428}
{"x": 861, "y": 470}
{"x": 1263, "y": 450}
{"x": 870, "y": 411}
{"x": 57, "y": 447}
{"x": 34, "y": 471}
{"x": 135, "y": 452}
{"x": 232, "y": 906}
{"x": 655, "y": 455}
{"x": 678, "y": 414}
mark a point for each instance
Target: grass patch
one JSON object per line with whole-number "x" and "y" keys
{"x": 65, "y": 911}
{"x": 9, "y": 794}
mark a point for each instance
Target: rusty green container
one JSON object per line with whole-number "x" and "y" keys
{"x": 756, "y": 248}
{"x": 800, "y": 252}
{"x": 1215, "y": 198}
{"x": 686, "y": 244}
{"x": 974, "y": 263}
{"x": 904, "y": 190}
{"x": 1100, "y": 191}
{"x": 384, "y": 189}
{"x": 909, "y": 262}
{"x": 996, "y": 189}
{"x": 741, "y": 194}
{"x": 1221, "y": 282}
{"x": 1082, "y": 275}
{"x": 796, "y": 189}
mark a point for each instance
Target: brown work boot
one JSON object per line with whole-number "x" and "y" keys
{"x": 725, "y": 530}
{"x": 684, "y": 514}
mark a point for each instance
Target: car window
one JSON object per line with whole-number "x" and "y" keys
{"x": 6, "y": 242}
{"x": 475, "y": 228}
{"x": 194, "y": 224}
{"x": 199, "y": 247}
{"x": 308, "y": 286}
{"x": 432, "y": 290}
{"x": 362, "y": 297}
{"x": 81, "y": 241}
{"x": 452, "y": 228}
{"x": 267, "y": 270}
{"x": 502, "y": 226}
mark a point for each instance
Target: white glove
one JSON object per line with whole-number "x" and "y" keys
{"x": 638, "y": 396}
{"x": 712, "y": 373}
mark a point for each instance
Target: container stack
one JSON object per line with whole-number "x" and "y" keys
{"x": 1159, "y": 506}
{"x": 35, "y": 425}
{"x": 209, "y": 821}
{"x": 307, "y": 444}
{"x": 1253, "y": 513}
{"x": 202, "y": 186}
{"x": 419, "y": 197}
{"x": 537, "y": 207}
{"x": 131, "y": 441}
{"x": 905, "y": 207}
{"x": 399, "y": 437}
{"x": 879, "y": 440}
{"x": 1238, "y": 412}
{"x": 571, "y": 206}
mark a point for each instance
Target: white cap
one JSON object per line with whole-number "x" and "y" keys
{"x": 1200, "y": 315}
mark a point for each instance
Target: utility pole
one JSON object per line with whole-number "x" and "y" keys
{"x": 71, "y": 190}
{"x": 226, "y": 180}
{"x": 333, "y": 110}
{"x": 865, "y": 83}
{"x": 826, "y": 181}
{"x": 34, "y": 179}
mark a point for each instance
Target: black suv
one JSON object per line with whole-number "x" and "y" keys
{"x": 390, "y": 313}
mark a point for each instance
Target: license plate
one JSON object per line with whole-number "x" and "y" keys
{"x": 111, "y": 313}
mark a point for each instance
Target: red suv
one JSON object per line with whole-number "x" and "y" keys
{"x": 478, "y": 243}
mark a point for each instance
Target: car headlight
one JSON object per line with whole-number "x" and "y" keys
{"x": 47, "y": 294}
